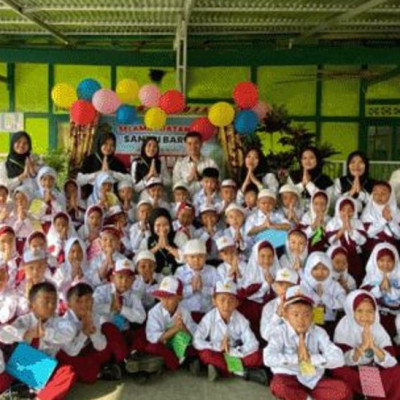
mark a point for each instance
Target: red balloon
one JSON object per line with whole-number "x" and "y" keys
{"x": 245, "y": 94}
{"x": 82, "y": 112}
{"x": 172, "y": 101}
{"x": 204, "y": 127}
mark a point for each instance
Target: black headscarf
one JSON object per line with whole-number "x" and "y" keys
{"x": 15, "y": 163}
{"x": 144, "y": 162}
{"x": 261, "y": 169}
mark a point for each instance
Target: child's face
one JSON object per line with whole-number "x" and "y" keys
{"x": 250, "y": 199}
{"x": 235, "y": 219}
{"x": 3, "y": 196}
{"x": 319, "y": 204}
{"x": 196, "y": 261}
{"x": 71, "y": 190}
{"x": 44, "y": 305}
{"x": 288, "y": 199}
{"x": 265, "y": 257}
{"x": 228, "y": 194}
{"x": 225, "y": 304}
{"x": 76, "y": 253}
{"x": 180, "y": 195}
{"x": 6, "y": 241}
{"x": 186, "y": 217}
{"x": 106, "y": 188}
{"x": 121, "y": 220}
{"x": 21, "y": 146}
{"x": 357, "y": 166}
{"x": 364, "y": 314}
{"x": 61, "y": 226}
{"x": 162, "y": 226}
{"x": 146, "y": 269}
{"x": 297, "y": 243}
{"x": 170, "y": 303}
{"x": 82, "y": 305}
{"x": 94, "y": 220}
{"x": 280, "y": 288}
{"x": 308, "y": 160}
{"x": 123, "y": 281}
{"x": 3, "y": 279}
{"x": 126, "y": 193}
{"x": 143, "y": 212}
{"x": 37, "y": 243}
{"x": 108, "y": 241}
{"x": 266, "y": 204}
{"x": 47, "y": 182}
{"x": 227, "y": 254}
{"x": 209, "y": 218}
{"x": 209, "y": 184}
{"x": 340, "y": 262}
{"x": 21, "y": 200}
{"x": 151, "y": 148}
{"x": 35, "y": 270}
{"x": 386, "y": 264}
{"x": 156, "y": 191}
{"x": 299, "y": 316}
{"x": 320, "y": 272}
{"x": 108, "y": 147}
{"x": 381, "y": 194}
{"x": 346, "y": 211}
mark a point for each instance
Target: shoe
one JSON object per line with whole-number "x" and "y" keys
{"x": 140, "y": 362}
{"x": 20, "y": 391}
{"x": 257, "y": 375}
{"x": 194, "y": 367}
{"x": 111, "y": 372}
{"x": 212, "y": 373}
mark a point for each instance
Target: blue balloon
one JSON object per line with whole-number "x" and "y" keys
{"x": 126, "y": 115}
{"x": 87, "y": 88}
{"x": 246, "y": 122}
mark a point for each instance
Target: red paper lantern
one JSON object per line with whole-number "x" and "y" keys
{"x": 82, "y": 112}
{"x": 204, "y": 127}
{"x": 245, "y": 95}
{"x": 172, "y": 102}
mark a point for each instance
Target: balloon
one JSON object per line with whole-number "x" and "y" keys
{"x": 105, "y": 101}
{"x": 149, "y": 95}
{"x": 172, "y": 102}
{"x": 155, "y": 118}
{"x": 245, "y": 94}
{"x": 204, "y": 127}
{"x": 82, "y": 112}
{"x": 261, "y": 109}
{"x": 221, "y": 114}
{"x": 246, "y": 122}
{"x": 63, "y": 95}
{"x": 126, "y": 114}
{"x": 87, "y": 88}
{"x": 127, "y": 91}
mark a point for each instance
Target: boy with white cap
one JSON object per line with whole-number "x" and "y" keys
{"x": 228, "y": 192}
{"x": 125, "y": 195}
{"x": 224, "y": 332}
{"x": 154, "y": 193}
{"x": 183, "y": 225}
{"x": 272, "y": 313}
{"x": 298, "y": 353}
{"x": 291, "y": 203}
{"x": 8, "y": 298}
{"x": 235, "y": 216}
{"x": 198, "y": 279}
{"x": 181, "y": 194}
{"x": 140, "y": 231}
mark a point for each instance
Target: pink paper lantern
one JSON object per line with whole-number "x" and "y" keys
{"x": 245, "y": 95}
{"x": 106, "y": 101}
{"x": 172, "y": 102}
{"x": 149, "y": 95}
{"x": 204, "y": 127}
{"x": 82, "y": 112}
{"x": 261, "y": 109}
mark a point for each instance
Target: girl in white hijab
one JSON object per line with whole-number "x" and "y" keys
{"x": 295, "y": 251}
{"x": 102, "y": 189}
{"x": 340, "y": 263}
{"x": 364, "y": 341}
{"x": 93, "y": 222}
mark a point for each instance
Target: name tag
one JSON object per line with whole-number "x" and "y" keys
{"x": 319, "y": 315}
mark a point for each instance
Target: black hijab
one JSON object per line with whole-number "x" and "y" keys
{"x": 144, "y": 162}
{"x": 15, "y": 163}
{"x": 261, "y": 169}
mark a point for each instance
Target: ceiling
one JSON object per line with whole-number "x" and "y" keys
{"x": 152, "y": 24}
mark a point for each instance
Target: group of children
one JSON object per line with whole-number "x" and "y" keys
{"x": 200, "y": 283}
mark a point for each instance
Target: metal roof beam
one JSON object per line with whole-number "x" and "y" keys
{"x": 30, "y": 10}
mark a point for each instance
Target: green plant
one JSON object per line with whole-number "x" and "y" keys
{"x": 59, "y": 160}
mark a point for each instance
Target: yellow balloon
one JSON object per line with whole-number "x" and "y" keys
{"x": 63, "y": 95}
{"x": 221, "y": 114}
{"x": 127, "y": 91}
{"x": 155, "y": 118}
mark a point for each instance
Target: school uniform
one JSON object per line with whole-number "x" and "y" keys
{"x": 345, "y": 275}
{"x": 6, "y": 380}
{"x": 210, "y": 241}
{"x": 12, "y": 266}
{"x": 144, "y": 289}
{"x": 140, "y": 184}
{"x": 84, "y": 230}
{"x": 200, "y": 198}
{"x": 94, "y": 266}
{"x": 8, "y": 306}
{"x": 183, "y": 233}
{"x": 137, "y": 235}
{"x": 288, "y": 259}
{"x": 244, "y": 244}
{"x": 343, "y": 185}
{"x": 270, "y": 319}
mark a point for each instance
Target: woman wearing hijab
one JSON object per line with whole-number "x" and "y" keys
{"x": 19, "y": 168}
{"x": 103, "y": 159}
{"x": 149, "y": 165}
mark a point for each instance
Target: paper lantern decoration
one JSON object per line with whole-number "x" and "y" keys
{"x": 127, "y": 91}
{"x": 245, "y": 95}
{"x": 126, "y": 115}
{"x": 82, "y": 112}
{"x": 246, "y": 122}
{"x": 105, "y": 101}
{"x": 149, "y": 95}
{"x": 221, "y": 114}
{"x": 63, "y": 95}
{"x": 155, "y": 118}
{"x": 204, "y": 127}
{"x": 172, "y": 102}
{"x": 261, "y": 109}
{"x": 87, "y": 88}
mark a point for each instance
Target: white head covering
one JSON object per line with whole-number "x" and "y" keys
{"x": 289, "y": 253}
{"x": 329, "y": 252}
{"x": 254, "y": 268}
{"x": 101, "y": 178}
{"x": 25, "y": 190}
{"x": 45, "y": 170}
{"x": 53, "y": 237}
{"x": 310, "y": 215}
{"x": 68, "y": 246}
{"x": 313, "y": 260}
{"x": 336, "y": 222}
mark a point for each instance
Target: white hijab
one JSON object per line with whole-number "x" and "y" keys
{"x": 84, "y": 229}
{"x": 313, "y": 260}
{"x": 101, "y": 178}
{"x": 253, "y": 267}
{"x": 336, "y": 223}
{"x": 288, "y": 252}
{"x": 68, "y": 246}
{"x": 53, "y": 237}
{"x": 329, "y": 252}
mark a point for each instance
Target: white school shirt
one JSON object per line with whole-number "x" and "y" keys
{"x": 202, "y": 234}
{"x": 23, "y": 228}
{"x": 136, "y": 235}
{"x": 160, "y": 320}
{"x": 12, "y": 267}
{"x": 361, "y": 200}
{"x": 200, "y": 198}
{"x": 139, "y": 186}
{"x": 145, "y": 290}
{"x": 89, "y": 179}
{"x": 94, "y": 266}
{"x": 161, "y": 202}
{"x": 258, "y": 218}
{"x": 81, "y": 340}
{"x": 8, "y": 305}
{"x": 132, "y": 308}
{"x": 224, "y": 270}
{"x": 180, "y": 236}
{"x": 245, "y": 243}
{"x": 196, "y": 301}
{"x": 281, "y": 353}
{"x": 308, "y": 219}
{"x": 57, "y": 332}
{"x": 212, "y": 330}
{"x": 2, "y": 363}
{"x": 270, "y": 319}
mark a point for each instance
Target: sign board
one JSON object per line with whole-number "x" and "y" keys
{"x": 11, "y": 122}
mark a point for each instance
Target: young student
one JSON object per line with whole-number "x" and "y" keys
{"x": 183, "y": 225}
{"x": 125, "y": 195}
{"x": 228, "y": 192}
{"x": 117, "y": 217}
{"x": 75, "y": 206}
{"x": 140, "y": 230}
{"x": 272, "y": 312}
{"x": 8, "y": 252}
{"x": 8, "y": 297}
{"x": 296, "y": 252}
{"x": 155, "y": 193}
{"x": 299, "y": 352}
{"x": 248, "y": 198}
{"x": 224, "y": 331}
{"x": 90, "y": 353}
{"x": 167, "y": 319}
{"x": 44, "y": 330}
{"x": 340, "y": 273}
{"x": 93, "y": 222}
{"x": 198, "y": 279}
{"x": 5, "y": 206}
{"x": 347, "y": 230}
{"x": 382, "y": 280}
{"x": 291, "y": 204}
{"x": 103, "y": 194}
{"x": 235, "y": 217}
{"x": 181, "y": 194}
{"x": 365, "y": 342}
